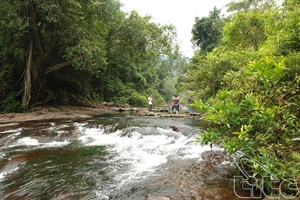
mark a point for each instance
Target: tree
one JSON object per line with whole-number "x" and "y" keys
{"x": 257, "y": 109}
{"x": 57, "y": 34}
{"x": 244, "y": 5}
{"x": 207, "y": 31}
{"x": 80, "y": 50}
{"x": 246, "y": 30}
{"x": 135, "y": 49}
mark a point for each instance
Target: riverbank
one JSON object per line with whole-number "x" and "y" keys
{"x": 49, "y": 112}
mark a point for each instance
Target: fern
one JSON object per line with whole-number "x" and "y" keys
{"x": 296, "y": 156}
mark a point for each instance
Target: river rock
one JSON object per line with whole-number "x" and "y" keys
{"x": 142, "y": 111}
{"x": 150, "y": 197}
{"x": 174, "y": 128}
{"x": 150, "y": 114}
{"x": 215, "y": 156}
{"x": 173, "y": 115}
{"x": 8, "y": 126}
{"x": 134, "y": 109}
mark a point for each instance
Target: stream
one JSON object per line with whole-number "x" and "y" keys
{"x": 110, "y": 157}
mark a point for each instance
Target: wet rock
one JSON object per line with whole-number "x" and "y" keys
{"x": 150, "y": 114}
{"x": 163, "y": 110}
{"x": 174, "y": 128}
{"x": 215, "y": 157}
{"x": 173, "y": 115}
{"x": 196, "y": 180}
{"x": 142, "y": 111}
{"x": 135, "y": 109}
{"x": 124, "y": 109}
{"x": 149, "y": 197}
{"x": 166, "y": 106}
{"x": 195, "y": 114}
{"x": 47, "y": 112}
{"x": 21, "y": 166}
{"x": 7, "y": 126}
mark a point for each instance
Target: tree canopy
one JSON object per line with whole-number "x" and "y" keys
{"x": 207, "y": 31}
{"x": 247, "y": 88}
{"x": 79, "y": 51}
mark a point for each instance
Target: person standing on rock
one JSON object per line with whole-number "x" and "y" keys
{"x": 150, "y": 103}
{"x": 190, "y": 107}
{"x": 175, "y": 103}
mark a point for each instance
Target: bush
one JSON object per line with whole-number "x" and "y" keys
{"x": 11, "y": 104}
{"x": 258, "y": 117}
{"x": 136, "y": 99}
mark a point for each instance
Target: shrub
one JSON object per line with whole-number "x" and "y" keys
{"x": 258, "y": 116}
{"x": 136, "y": 99}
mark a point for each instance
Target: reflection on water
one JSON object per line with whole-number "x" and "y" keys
{"x": 109, "y": 157}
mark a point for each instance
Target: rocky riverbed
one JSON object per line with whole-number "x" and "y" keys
{"x": 193, "y": 178}
{"x": 48, "y": 112}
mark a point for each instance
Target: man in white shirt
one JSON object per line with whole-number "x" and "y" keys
{"x": 150, "y": 102}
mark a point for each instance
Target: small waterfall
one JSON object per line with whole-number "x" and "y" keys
{"x": 104, "y": 158}
{"x": 141, "y": 151}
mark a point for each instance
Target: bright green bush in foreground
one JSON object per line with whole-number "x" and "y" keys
{"x": 258, "y": 116}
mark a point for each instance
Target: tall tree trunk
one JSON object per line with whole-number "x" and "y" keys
{"x": 27, "y": 80}
{"x": 37, "y": 71}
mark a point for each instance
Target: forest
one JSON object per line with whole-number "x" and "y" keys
{"x": 243, "y": 76}
{"x": 80, "y": 52}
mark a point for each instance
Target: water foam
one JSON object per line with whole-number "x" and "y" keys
{"x": 4, "y": 173}
{"x": 28, "y": 141}
{"x": 142, "y": 149}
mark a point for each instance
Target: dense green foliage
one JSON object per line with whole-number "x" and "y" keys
{"x": 78, "y": 52}
{"x": 248, "y": 89}
{"x": 207, "y": 31}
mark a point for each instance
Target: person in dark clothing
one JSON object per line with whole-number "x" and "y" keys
{"x": 190, "y": 101}
{"x": 175, "y": 104}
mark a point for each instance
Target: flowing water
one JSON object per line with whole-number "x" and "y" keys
{"x": 122, "y": 156}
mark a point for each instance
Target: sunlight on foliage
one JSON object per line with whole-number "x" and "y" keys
{"x": 249, "y": 88}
